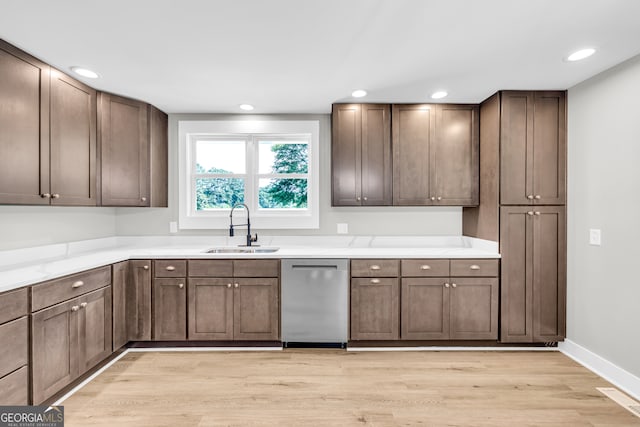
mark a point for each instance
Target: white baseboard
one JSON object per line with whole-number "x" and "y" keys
{"x": 617, "y": 376}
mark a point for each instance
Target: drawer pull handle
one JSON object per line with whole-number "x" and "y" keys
{"x": 453, "y": 285}
{"x": 77, "y": 284}
{"x": 83, "y": 304}
{"x": 425, "y": 267}
{"x": 446, "y": 285}
{"x": 170, "y": 268}
{"x": 181, "y": 285}
{"x": 375, "y": 267}
{"x": 75, "y": 308}
{"x": 235, "y": 285}
{"x": 475, "y": 267}
{"x": 375, "y": 281}
{"x": 228, "y": 285}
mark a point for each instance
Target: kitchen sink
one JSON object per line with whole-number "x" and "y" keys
{"x": 241, "y": 250}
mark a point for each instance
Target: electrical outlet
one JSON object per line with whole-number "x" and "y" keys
{"x": 173, "y": 227}
{"x": 343, "y": 228}
{"x": 595, "y": 237}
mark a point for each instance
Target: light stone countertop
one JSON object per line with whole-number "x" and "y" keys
{"x": 23, "y": 267}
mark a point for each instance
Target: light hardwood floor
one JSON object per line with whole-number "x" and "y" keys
{"x": 338, "y": 388}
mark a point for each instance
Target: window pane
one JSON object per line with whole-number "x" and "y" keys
{"x": 282, "y": 193}
{"x": 218, "y": 193}
{"x": 220, "y": 157}
{"x": 283, "y": 157}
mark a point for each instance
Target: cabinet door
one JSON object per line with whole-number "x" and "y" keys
{"x": 119, "y": 286}
{"x": 474, "y": 308}
{"x": 55, "y": 349}
{"x": 346, "y": 154}
{"x": 24, "y": 120}
{"x": 158, "y": 141}
{"x": 169, "y": 309}
{"x": 73, "y": 141}
{"x": 549, "y": 273}
{"x": 413, "y": 130}
{"x": 425, "y": 309}
{"x": 454, "y": 156}
{"x": 549, "y": 148}
{"x": 376, "y": 155}
{"x": 256, "y": 310}
{"x": 139, "y": 301}
{"x": 95, "y": 332}
{"x": 124, "y": 148}
{"x": 516, "y": 157}
{"x": 516, "y": 278}
{"x": 210, "y": 309}
{"x": 375, "y": 311}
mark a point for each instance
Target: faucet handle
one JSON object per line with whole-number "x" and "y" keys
{"x": 254, "y": 238}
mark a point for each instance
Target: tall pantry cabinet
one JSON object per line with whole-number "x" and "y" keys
{"x": 523, "y": 188}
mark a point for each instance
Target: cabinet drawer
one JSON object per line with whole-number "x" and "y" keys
{"x": 425, "y": 267}
{"x": 210, "y": 268}
{"x": 474, "y": 268}
{"x": 15, "y": 354}
{"x": 256, "y": 268}
{"x": 13, "y": 304}
{"x": 14, "y": 388}
{"x": 375, "y": 268}
{"x": 170, "y": 268}
{"x": 55, "y": 291}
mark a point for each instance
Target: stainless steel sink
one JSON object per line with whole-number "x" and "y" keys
{"x": 241, "y": 250}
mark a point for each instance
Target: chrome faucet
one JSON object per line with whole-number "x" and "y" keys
{"x": 250, "y": 238}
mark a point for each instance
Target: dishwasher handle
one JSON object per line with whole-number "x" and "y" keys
{"x": 313, "y": 267}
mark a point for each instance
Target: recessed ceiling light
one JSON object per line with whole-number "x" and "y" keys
{"x": 359, "y": 93}
{"x": 581, "y": 54}
{"x": 246, "y": 107}
{"x": 439, "y": 94}
{"x": 85, "y": 72}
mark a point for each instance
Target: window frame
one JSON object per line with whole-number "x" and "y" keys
{"x": 252, "y": 131}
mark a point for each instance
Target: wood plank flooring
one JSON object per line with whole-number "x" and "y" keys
{"x": 314, "y": 387}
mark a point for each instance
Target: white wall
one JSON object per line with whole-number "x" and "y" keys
{"x": 24, "y": 226}
{"x": 362, "y": 220}
{"x": 603, "y": 304}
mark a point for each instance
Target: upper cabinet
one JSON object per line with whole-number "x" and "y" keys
{"x": 435, "y": 155}
{"x": 24, "y": 120}
{"x": 57, "y": 133}
{"x": 133, "y": 148}
{"x": 533, "y": 148}
{"x": 361, "y": 155}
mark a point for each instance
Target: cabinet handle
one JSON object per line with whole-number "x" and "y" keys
{"x": 375, "y": 281}
{"x": 83, "y": 304}
{"x": 146, "y": 267}
{"x": 375, "y": 267}
{"x": 55, "y": 196}
{"x": 530, "y": 197}
{"x": 364, "y": 198}
{"x": 75, "y": 308}
{"x": 453, "y": 285}
{"x": 228, "y": 285}
{"x": 530, "y": 213}
{"x": 537, "y": 197}
{"x": 425, "y": 267}
{"x": 235, "y": 285}
{"x": 439, "y": 198}
{"x": 144, "y": 199}
{"x": 537, "y": 213}
{"x": 475, "y": 267}
{"x": 433, "y": 198}
{"x": 77, "y": 284}
{"x": 181, "y": 285}
{"x": 358, "y": 199}
{"x": 446, "y": 285}
{"x": 170, "y": 268}
{"x": 45, "y": 195}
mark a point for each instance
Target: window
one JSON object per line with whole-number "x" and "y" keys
{"x": 271, "y": 166}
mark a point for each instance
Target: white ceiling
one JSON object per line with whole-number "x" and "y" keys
{"x": 299, "y": 56}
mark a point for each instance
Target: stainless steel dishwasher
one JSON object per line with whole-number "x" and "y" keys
{"x": 315, "y": 302}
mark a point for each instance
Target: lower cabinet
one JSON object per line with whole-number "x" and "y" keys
{"x": 14, "y": 330}
{"x": 138, "y": 307}
{"x": 68, "y": 339}
{"x": 375, "y": 308}
{"x": 169, "y": 309}
{"x": 119, "y": 275}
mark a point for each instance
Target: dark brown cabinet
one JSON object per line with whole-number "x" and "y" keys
{"x": 375, "y": 300}
{"x": 120, "y": 280}
{"x": 170, "y": 309}
{"x": 533, "y": 148}
{"x": 68, "y": 339}
{"x": 533, "y": 247}
{"x": 138, "y": 306}
{"x": 435, "y": 155}
{"x": 234, "y": 300}
{"x": 14, "y": 353}
{"x": 425, "y": 309}
{"x": 361, "y": 155}
{"x": 73, "y": 142}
